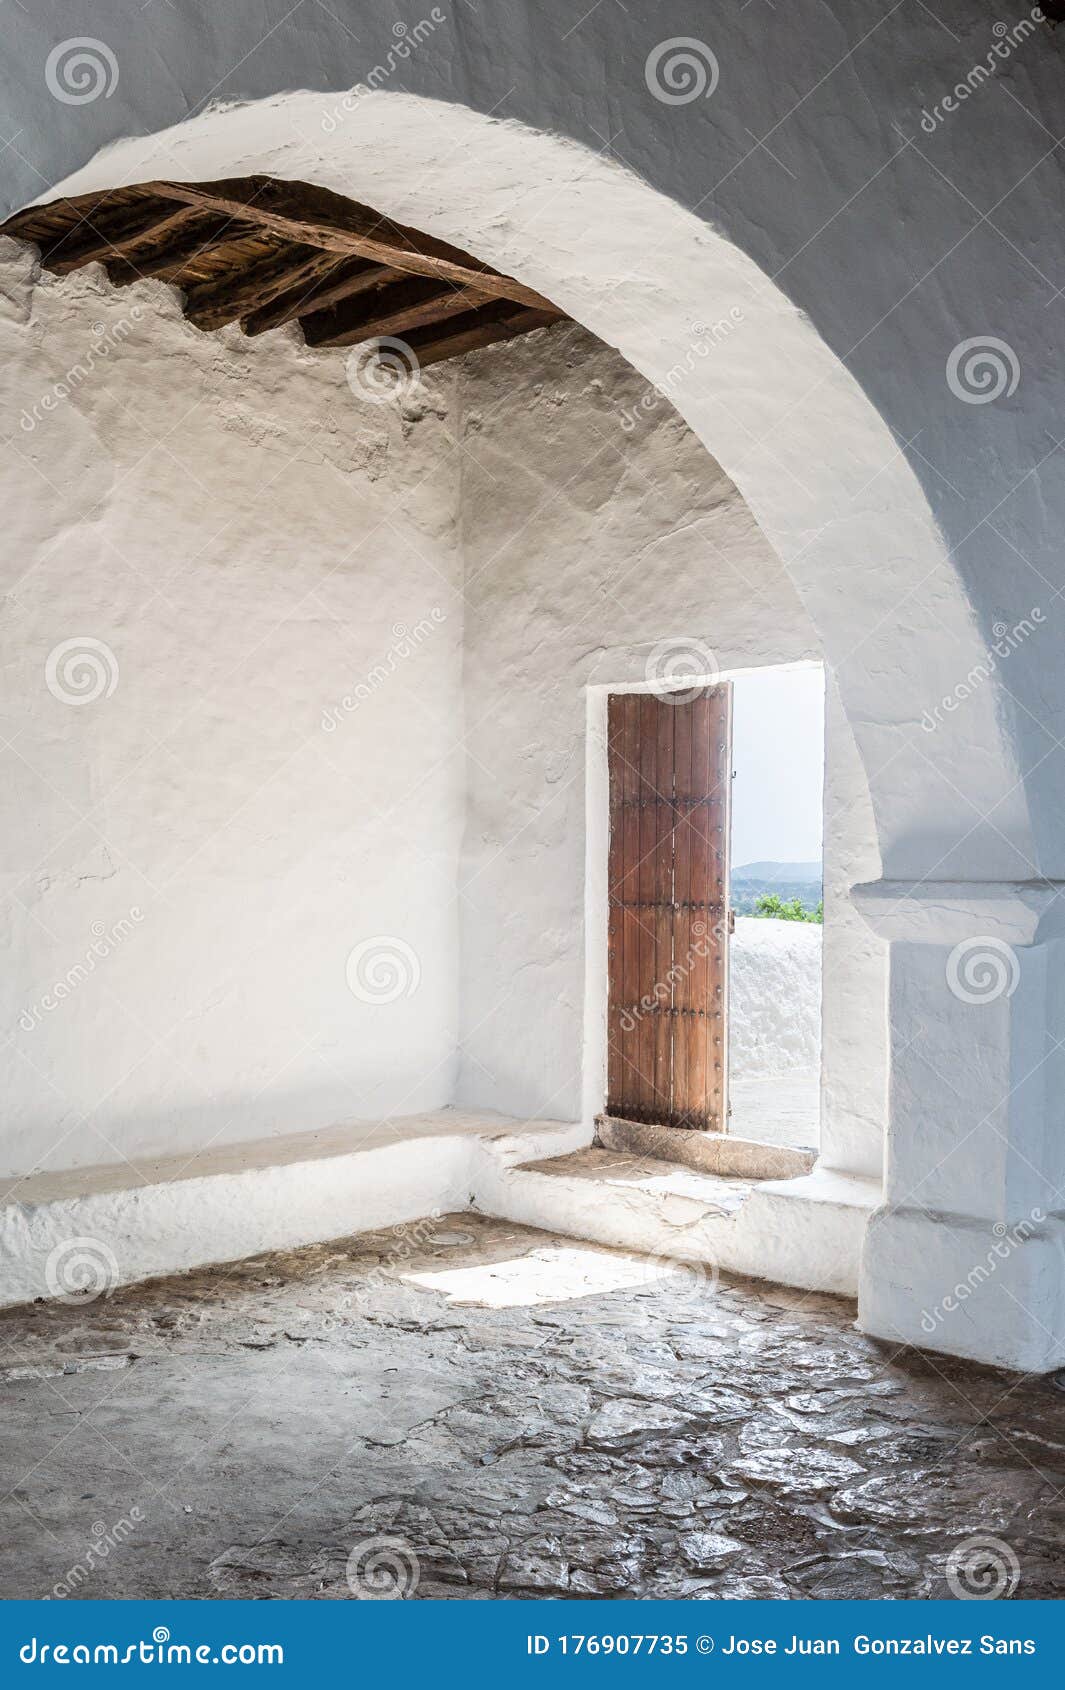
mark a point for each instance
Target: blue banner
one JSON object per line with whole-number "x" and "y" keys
{"x": 533, "y": 1643}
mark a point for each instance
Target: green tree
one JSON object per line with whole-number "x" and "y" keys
{"x": 771, "y": 905}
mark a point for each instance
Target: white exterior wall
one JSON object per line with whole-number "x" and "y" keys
{"x": 774, "y": 998}
{"x": 248, "y": 540}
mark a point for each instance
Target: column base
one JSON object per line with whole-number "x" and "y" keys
{"x": 989, "y": 1292}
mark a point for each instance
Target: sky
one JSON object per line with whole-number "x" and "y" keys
{"x": 779, "y": 758}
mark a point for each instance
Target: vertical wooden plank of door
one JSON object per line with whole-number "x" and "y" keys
{"x": 682, "y": 858}
{"x": 648, "y": 755}
{"x": 623, "y": 1095}
{"x": 719, "y": 817}
{"x": 698, "y": 959}
{"x": 615, "y": 738}
{"x": 663, "y": 912}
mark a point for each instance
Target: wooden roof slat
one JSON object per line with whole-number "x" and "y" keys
{"x": 349, "y": 276}
{"x": 101, "y": 233}
{"x": 391, "y": 310}
{"x": 193, "y": 237}
{"x": 236, "y": 292}
{"x": 326, "y": 220}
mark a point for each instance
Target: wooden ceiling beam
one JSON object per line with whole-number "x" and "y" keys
{"x": 317, "y": 218}
{"x": 392, "y": 310}
{"x": 479, "y": 329}
{"x": 350, "y": 276}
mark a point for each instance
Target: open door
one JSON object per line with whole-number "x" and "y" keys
{"x": 670, "y": 770}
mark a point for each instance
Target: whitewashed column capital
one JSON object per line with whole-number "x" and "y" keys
{"x": 948, "y": 912}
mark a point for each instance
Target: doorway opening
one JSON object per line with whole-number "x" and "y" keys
{"x": 774, "y": 1009}
{"x": 715, "y": 906}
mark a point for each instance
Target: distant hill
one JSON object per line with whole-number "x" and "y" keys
{"x": 792, "y": 873}
{"x": 787, "y": 880}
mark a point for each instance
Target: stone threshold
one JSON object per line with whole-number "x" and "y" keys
{"x": 707, "y": 1153}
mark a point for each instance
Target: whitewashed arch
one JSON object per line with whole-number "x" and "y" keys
{"x": 818, "y": 467}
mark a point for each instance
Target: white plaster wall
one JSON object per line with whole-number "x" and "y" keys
{"x": 246, "y": 538}
{"x": 774, "y": 998}
{"x": 594, "y": 528}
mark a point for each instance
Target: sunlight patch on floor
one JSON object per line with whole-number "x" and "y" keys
{"x": 552, "y": 1274}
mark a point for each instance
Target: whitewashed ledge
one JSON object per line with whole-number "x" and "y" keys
{"x": 237, "y": 1200}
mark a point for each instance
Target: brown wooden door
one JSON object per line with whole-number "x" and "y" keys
{"x": 670, "y": 766}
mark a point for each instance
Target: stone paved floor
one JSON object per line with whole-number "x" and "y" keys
{"x": 514, "y": 1414}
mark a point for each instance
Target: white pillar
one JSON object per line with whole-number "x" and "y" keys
{"x": 966, "y": 1254}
